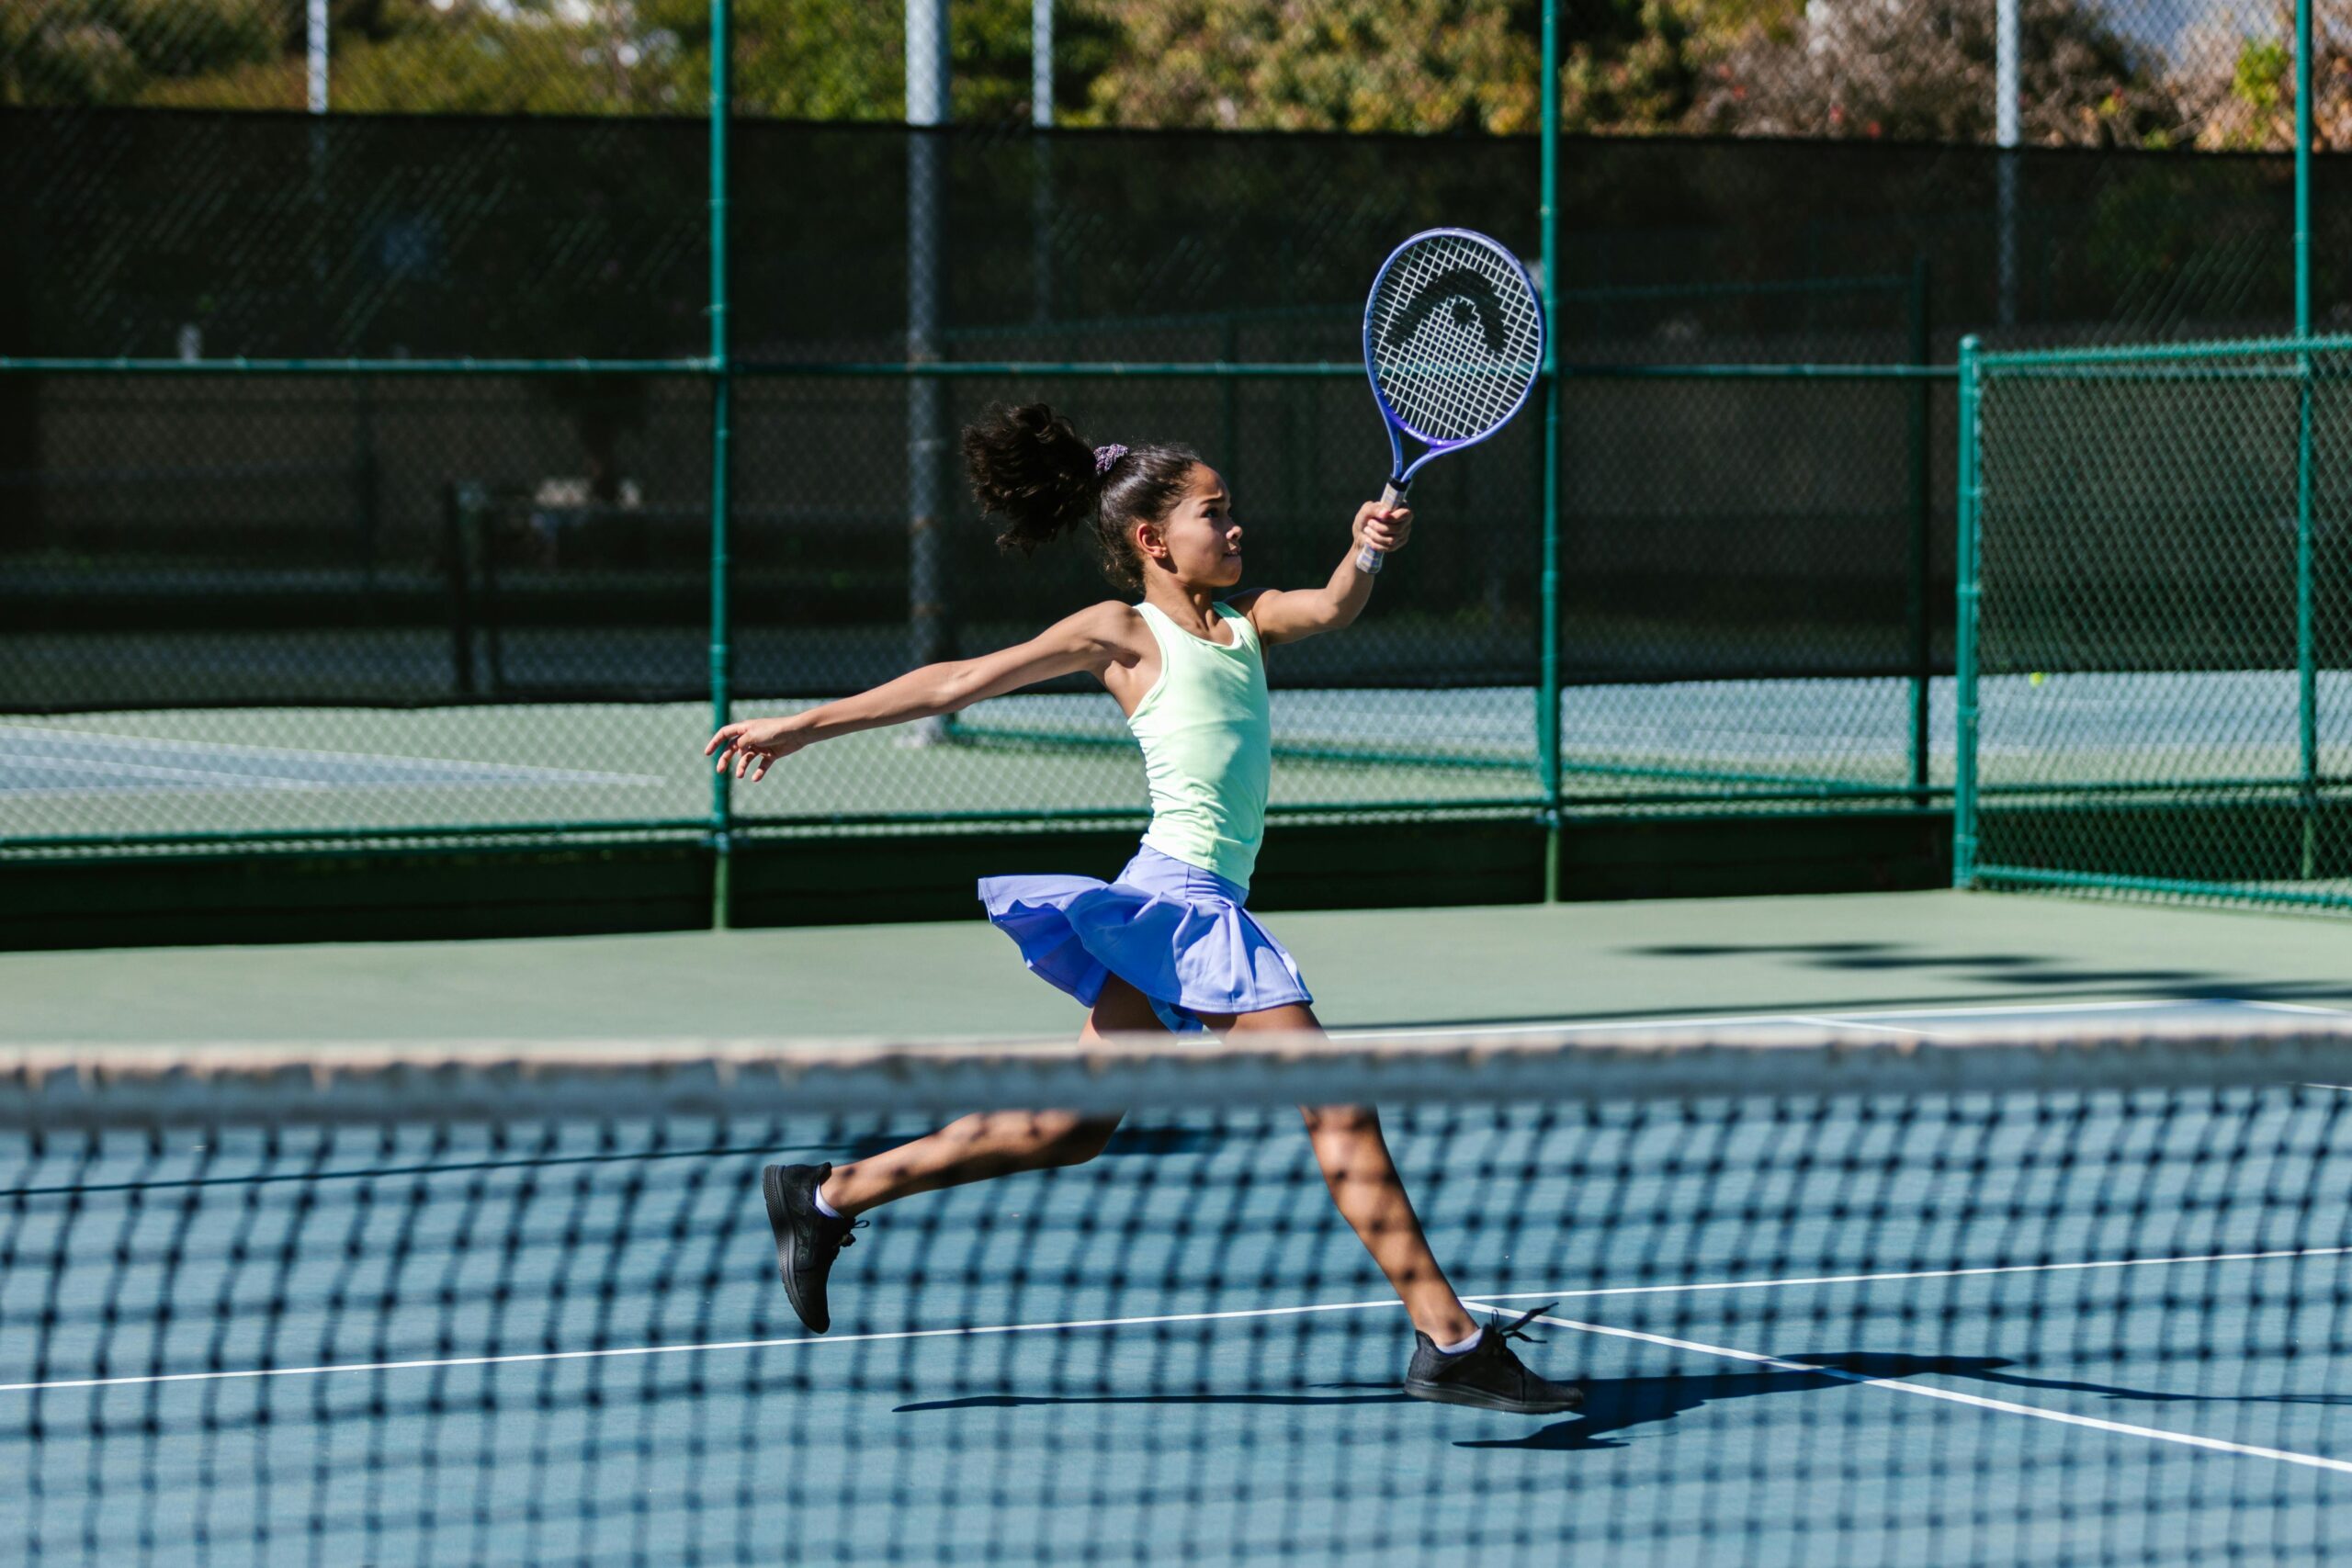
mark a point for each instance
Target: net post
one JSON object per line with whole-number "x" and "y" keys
{"x": 1547, "y": 697}
{"x": 2306, "y": 651}
{"x": 722, "y": 836}
{"x": 1971, "y": 495}
{"x": 1916, "y": 597}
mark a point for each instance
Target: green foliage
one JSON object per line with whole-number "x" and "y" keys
{"x": 84, "y": 52}
{"x": 1925, "y": 71}
{"x": 990, "y": 74}
{"x": 1908, "y": 69}
{"x": 2259, "y": 78}
{"x": 1359, "y": 66}
{"x": 1631, "y": 65}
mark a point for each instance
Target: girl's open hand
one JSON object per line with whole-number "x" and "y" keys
{"x": 753, "y": 746}
{"x": 1384, "y": 528}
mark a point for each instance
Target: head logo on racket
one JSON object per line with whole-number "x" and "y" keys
{"x": 1453, "y": 343}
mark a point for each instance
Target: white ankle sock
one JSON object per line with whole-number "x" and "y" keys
{"x": 822, "y": 1207}
{"x": 1463, "y": 1347}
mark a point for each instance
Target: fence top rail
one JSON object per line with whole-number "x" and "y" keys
{"x": 1322, "y": 369}
{"x": 902, "y": 370}
{"x": 2157, "y": 353}
{"x": 242, "y": 366}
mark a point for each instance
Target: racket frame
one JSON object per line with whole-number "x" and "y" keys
{"x": 1400, "y": 473}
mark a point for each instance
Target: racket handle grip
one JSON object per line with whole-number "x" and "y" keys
{"x": 1369, "y": 560}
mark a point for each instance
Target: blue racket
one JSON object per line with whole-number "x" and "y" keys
{"x": 1452, "y": 341}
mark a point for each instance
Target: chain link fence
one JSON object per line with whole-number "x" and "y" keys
{"x": 457, "y": 580}
{"x": 2158, "y": 703}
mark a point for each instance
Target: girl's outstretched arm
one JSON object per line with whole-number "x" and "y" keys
{"x": 1286, "y": 616}
{"x": 1092, "y": 640}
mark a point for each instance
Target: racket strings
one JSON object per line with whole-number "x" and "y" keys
{"x": 1457, "y": 339}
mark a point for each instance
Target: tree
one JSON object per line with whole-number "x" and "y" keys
{"x": 793, "y": 59}
{"x": 1925, "y": 70}
{"x": 1358, "y": 65}
{"x": 2236, "y": 83}
{"x": 115, "y": 51}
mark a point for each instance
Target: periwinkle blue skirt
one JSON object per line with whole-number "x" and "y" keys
{"x": 1175, "y": 932}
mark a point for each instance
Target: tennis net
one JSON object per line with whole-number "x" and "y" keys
{"x": 2010, "y": 1297}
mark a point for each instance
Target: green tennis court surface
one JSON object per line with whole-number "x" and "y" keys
{"x": 1371, "y": 968}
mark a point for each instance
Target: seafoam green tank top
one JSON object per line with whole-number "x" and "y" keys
{"x": 1207, "y": 738}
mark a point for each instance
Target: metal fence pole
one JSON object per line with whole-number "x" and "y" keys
{"x": 1963, "y": 793}
{"x": 1547, "y": 695}
{"x": 2306, "y": 630}
{"x": 2008, "y": 93}
{"x": 1040, "y": 119}
{"x": 721, "y": 413}
{"x": 316, "y": 32}
{"x": 927, "y": 107}
{"x": 1917, "y": 576}
{"x": 1041, "y": 64}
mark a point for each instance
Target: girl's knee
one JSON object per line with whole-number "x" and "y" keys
{"x": 1067, "y": 1139}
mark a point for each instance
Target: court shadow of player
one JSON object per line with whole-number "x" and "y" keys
{"x": 1618, "y": 1405}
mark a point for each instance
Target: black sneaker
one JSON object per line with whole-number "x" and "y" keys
{"x": 807, "y": 1238}
{"x": 1488, "y": 1375}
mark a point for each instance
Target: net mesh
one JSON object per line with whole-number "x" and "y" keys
{"x": 2012, "y": 1298}
{"x": 1454, "y": 337}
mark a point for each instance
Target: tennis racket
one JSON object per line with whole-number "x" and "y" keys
{"x": 1452, "y": 341}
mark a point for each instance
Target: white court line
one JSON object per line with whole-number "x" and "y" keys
{"x": 1923, "y": 1390}
{"x": 1844, "y": 1020}
{"x": 1857, "y": 1023}
{"x": 150, "y": 1378}
{"x": 2298, "y": 1006}
{"x": 1688, "y": 1289}
{"x": 232, "y": 750}
{"x": 807, "y": 1339}
{"x": 148, "y": 770}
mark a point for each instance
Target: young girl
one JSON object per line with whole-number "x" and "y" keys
{"x": 1169, "y": 943}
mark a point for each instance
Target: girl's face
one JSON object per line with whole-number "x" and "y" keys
{"x": 1198, "y": 541}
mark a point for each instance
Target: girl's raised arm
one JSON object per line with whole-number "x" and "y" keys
{"x": 1092, "y": 640}
{"x": 1287, "y": 615}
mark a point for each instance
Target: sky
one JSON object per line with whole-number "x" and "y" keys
{"x": 2163, "y": 21}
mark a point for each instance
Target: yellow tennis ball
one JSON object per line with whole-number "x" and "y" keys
{"x": 2034, "y": 679}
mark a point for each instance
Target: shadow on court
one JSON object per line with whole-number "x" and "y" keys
{"x": 1619, "y": 1404}
{"x": 2119, "y": 985}
{"x": 2007, "y": 968}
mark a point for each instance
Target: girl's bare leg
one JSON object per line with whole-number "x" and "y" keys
{"x": 994, "y": 1142}
{"x": 1371, "y": 1196}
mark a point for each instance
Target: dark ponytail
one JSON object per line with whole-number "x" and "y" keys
{"x": 1030, "y": 466}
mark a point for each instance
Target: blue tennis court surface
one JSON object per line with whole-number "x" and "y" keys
{"x": 2106, "y": 1326}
